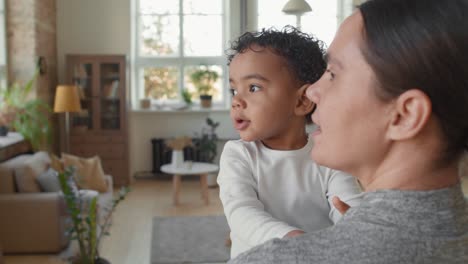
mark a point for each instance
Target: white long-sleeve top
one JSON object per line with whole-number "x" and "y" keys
{"x": 267, "y": 193}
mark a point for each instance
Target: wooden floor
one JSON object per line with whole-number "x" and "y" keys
{"x": 130, "y": 239}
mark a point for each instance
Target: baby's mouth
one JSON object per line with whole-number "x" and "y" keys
{"x": 241, "y": 124}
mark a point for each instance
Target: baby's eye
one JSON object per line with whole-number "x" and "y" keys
{"x": 233, "y": 91}
{"x": 254, "y": 88}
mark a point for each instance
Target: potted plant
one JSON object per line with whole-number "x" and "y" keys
{"x": 204, "y": 79}
{"x": 187, "y": 97}
{"x": 206, "y": 144}
{"x": 207, "y": 147}
{"x": 27, "y": 116}
{"x": 84, "y": 219}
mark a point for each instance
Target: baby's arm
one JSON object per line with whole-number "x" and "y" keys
{"x": 245, "y": 213}
{"x": 346, "y": 188}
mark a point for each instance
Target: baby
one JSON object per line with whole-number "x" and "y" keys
{"x": 269, "y": 187}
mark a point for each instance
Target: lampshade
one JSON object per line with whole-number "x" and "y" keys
{"x": 296, "y": 7}
{"x": 67, "y": 99}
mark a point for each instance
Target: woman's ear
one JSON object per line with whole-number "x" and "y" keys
{"x": 303, "y": 104}
{"x": 412, "y": 110}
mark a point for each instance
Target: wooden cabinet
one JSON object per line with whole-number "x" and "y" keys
{"x": 101, "y": 127}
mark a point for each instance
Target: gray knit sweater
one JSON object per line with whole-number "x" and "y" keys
{"x": 389, "y": 226}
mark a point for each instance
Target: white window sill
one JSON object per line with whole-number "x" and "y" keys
{"x": 188, "y": 110}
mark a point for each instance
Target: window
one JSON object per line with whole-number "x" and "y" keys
{"x": 3, "y": 60}
{"x": 172, "y": 40}
{"x": 321, "y": 22}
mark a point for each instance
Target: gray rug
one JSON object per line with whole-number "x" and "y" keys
{"x": 194, "y": 239}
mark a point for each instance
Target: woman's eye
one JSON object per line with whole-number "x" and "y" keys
{"x": 332, "y": 75}
{"x": 233, "y": 92}
{"x": 254, "y": 88}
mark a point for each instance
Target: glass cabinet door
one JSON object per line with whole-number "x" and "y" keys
{"x": 82, "y": 78}
{"x": 109, "y": 96}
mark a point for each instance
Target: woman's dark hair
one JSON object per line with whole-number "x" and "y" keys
{"x": 302, "y": 52}
{"x": 422, "y": 44}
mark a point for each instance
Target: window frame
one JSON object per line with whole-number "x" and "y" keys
{"x": 3, "y": 46}
{"x": 180, "y": 61}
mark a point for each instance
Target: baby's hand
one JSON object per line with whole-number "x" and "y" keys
{"x": 294, "y": 233}
{"x": 341, "y": 206}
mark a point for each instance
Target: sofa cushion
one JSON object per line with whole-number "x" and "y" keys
{"x": 26, "y": 175}
{"x": 56, "y": 163}
{"x": 7, "y": 181}
{"x": 43, "y": 157}
{"x": 89, "y": 174}
{"x": 17, "y": 161}
{"x": 7, "y": 172}
{"x": 25, "y": 179}
{"x": 48, "y": 181}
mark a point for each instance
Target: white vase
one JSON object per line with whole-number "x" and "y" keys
{"x": 211, "y": 180}
{"x": 177, "y": 158}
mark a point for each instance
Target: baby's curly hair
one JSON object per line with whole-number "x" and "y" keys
{"x": 303, "y": 53}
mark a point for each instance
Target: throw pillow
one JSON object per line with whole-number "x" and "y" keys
{"x": 26, "y": 175}
{"x": 43, "y": 156}
{"x": 89, "y": 172}
{"x": 56, "y": 163}
{"x": 48, "y": 181}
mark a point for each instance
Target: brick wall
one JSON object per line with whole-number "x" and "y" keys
{"x": 31, "y": 30}
{"x": 46, "y": 47}
{"x": 20, "y": 39}
{"x": 31, "y": 33}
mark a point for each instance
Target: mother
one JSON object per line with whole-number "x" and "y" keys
{"x": 392, "y": 109}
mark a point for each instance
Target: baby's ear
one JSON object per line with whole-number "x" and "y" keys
{"x": 303, "y": 104}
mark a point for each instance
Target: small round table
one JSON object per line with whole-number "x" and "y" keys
{"x": 190, "y": 168}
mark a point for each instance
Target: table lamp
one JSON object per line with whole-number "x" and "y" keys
{"x": 67, "y": 101}
{"x": 298, "y": 8}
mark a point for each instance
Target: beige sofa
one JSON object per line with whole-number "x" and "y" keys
{"x": 36, "y": 222}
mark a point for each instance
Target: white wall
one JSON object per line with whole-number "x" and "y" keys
{"x": 104, "y": 27}
{"x": 92, "y": 27}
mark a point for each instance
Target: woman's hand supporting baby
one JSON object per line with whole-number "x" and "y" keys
{"x": 341, "y": 206}
{"x": 294, "y": 233}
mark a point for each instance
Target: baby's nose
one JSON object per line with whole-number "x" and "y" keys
{"x": 237, "y": 103}
{"x": 312, "y": 93}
